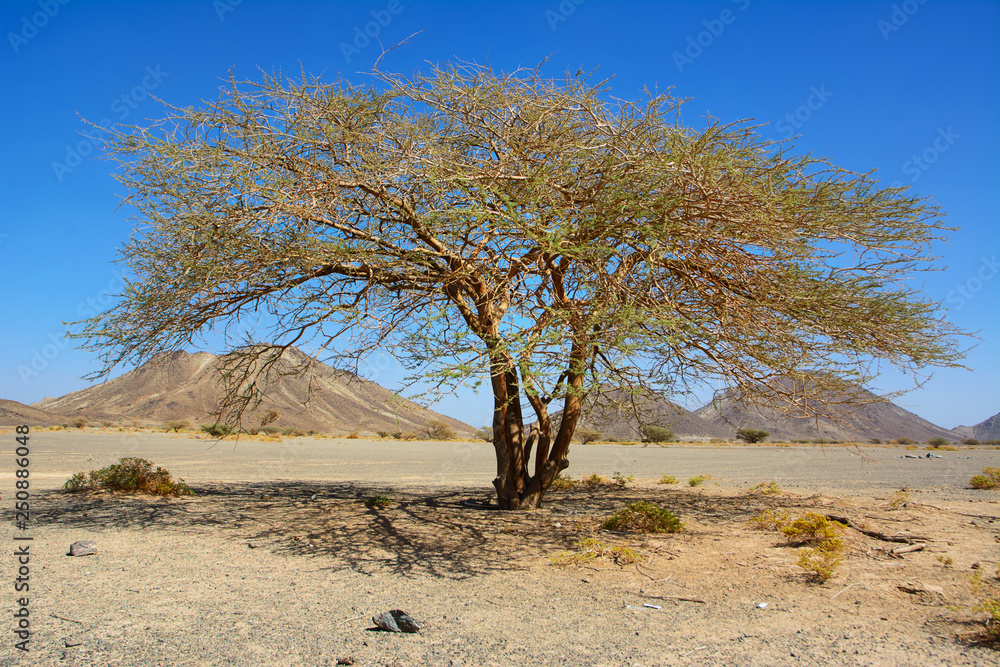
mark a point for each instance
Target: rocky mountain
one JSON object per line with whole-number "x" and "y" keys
{"x": 871, "y": 418}
{"x": 613, "y": 414}
{"x": 13, "y": 413}
{"x": 181, "y": 385}
{"x": 988, "y": 429}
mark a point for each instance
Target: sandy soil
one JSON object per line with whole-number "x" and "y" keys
{"x": 265, "y": 566}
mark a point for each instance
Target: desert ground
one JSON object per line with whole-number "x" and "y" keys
{"x": 278, "y": 559}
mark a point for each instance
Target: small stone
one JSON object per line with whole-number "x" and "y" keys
{"x": 83, "y": 548}
{"x": 396, "y": 620}
{"x": 346, "y": 660}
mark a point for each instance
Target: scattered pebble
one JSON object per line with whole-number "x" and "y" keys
{"x": 396, "y": 620}
{"x": 83, "y": 548}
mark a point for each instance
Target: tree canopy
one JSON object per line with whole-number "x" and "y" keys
{"x": 522, "y": 229}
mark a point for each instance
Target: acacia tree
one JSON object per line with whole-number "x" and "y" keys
{"x": 518, "y": 228}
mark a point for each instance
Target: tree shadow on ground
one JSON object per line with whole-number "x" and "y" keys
{"x": 450, "y": 533}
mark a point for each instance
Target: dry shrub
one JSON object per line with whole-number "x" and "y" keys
{"x": 591, "y": 549}
{"x": 130, "y": 475}
{"x": 643, "y": 517}
{"x": 990, "y": 479}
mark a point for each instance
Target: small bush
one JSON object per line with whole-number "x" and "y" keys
{"x": 903, "y": 441}
{"x": 217, "y": 430}
{"x": 971, "y": 441}
{"x": 485, "y": 433}
{"x": 594, "y": 480}
{"x": 751, "y": 435}
{"x": 80, "y": 422}
{"x": 175, "y": 425}
{"x": 990, "y": 479}
{"x": 378, "y": 502}
{"x": 643, "y": 517}
{"x": 292, "y": 432}
{"x": 699, "y": 480}
{"x": 132, "y": 475}
{"x": 563, "y": 483}
{"x": 899, "y": 500}
{"x": 588, "y": 435}
{"x": 591, "y": 549}
{"x": 875, "y": 441}
{"x": 438, "y": 430}
{"x": 821, "y": 563}
{"x": 382, "y": 434}
{"x": 937, "y": 442}
{"x": 814, "y": 530}
{"x": 770, "y": 521}
{"x": 620, "y": 479}
{"x": 269, "y": 417}
{"x": 767, "y": 488}
{"x": 667, "y": 479}
{"x": 352, "y": 436}
{"x": 654, "y": 433}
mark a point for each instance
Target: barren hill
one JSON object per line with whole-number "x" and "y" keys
{"x": 612, "y": 414}
{"x": 13, "y": 413}
{"x": 988, "y": 429}
{"x": 182, "y": 385}
{"x": 877, "y": 419}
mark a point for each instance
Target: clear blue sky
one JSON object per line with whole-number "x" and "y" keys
{"x": 908, "y": 88}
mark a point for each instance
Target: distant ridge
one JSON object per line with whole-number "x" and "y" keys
{"x": 13, "y": 413}
{"x": 871, "y": 419}
{"x": 612, "y": 413}
{"x": 988, "y": 429}
{"x": 181, "y": 385}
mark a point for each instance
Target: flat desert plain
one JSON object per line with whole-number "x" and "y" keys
{"x": 278, "y": 559}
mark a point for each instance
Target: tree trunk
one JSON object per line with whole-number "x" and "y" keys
{"x": 516, "y": 488}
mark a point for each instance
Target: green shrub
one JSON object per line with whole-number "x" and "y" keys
{"x": 937, "y": 442}
{"x": 217, "y": 430}
{"x": 971, "y": 441}
{"x": 587, "y": 435}
{"x": 667, "y": 479}
{"x": 131, "y": 475}
{"x": 378, "y": 501}
{"x": 485, "y": 433}
{"x": 698, "y": 480}
{"x": 292, "y": 432}
{"x": 751, "y": 435}
{"x": 594, "y": 480}
{"x": 563, "y": 483}
{"x": 175, "y": 425}
{"x": 814, "y": 530}
{"x": 990, "y": 479}
{"x": 643, "y": 517}
{"x": 875, "y": 441}
{"x": 903, "y": 441}
{"x": 767, "y": 488}
{"x": 80, "y": 422}
{"x": 654, "y": 433}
